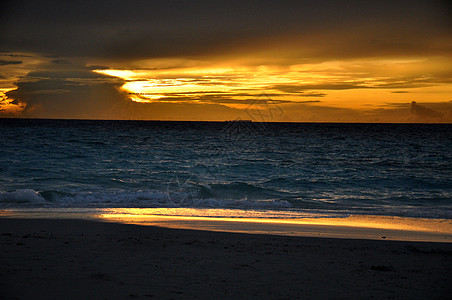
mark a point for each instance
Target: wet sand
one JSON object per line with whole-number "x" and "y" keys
{"x": 81, "y": 259}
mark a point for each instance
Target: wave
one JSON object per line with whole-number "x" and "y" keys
{"x": 217, "y": 196}
{"x": 21, "y": 197}
{"x": 203, "y": 198}
{"x": 275, "y": 194}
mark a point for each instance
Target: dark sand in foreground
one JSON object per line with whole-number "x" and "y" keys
{"x": 79, "y": 259}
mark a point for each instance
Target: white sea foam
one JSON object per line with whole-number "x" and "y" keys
{"x": 142, "y": 198}
{"x": 21, "y": 197}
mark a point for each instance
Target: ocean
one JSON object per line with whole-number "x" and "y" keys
{"x": 234, "y": 169}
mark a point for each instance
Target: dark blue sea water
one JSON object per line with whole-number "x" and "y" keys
{"x": 379, "y": 169}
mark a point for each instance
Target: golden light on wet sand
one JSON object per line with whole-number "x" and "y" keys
{"x": 356, "y": 226}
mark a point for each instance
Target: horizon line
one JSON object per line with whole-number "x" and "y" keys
{"x": 221, "y": 121}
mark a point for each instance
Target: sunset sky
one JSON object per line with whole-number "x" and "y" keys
{"x": 296, "y": 61}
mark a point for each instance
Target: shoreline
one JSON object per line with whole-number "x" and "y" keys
{"x": 350, "y": 227}
{"x": 74, "y": 259}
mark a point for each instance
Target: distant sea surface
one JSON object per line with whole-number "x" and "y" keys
{"x": 276, "y": 169}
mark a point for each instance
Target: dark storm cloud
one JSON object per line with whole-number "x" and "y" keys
{"x": 75, "y": 92}
{"x": 144, "y": 29}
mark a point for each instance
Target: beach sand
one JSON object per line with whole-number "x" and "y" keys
{"x": 82, "y": 259}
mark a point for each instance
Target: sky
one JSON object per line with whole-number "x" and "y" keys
{"x": 291, "y": 61}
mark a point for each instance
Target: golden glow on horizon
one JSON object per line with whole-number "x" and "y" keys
{"x": 7, "y": 105}
{"x": 124, "y": 74}
{"x": 353, "y": 84}
{"x": 347, "y": 90}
